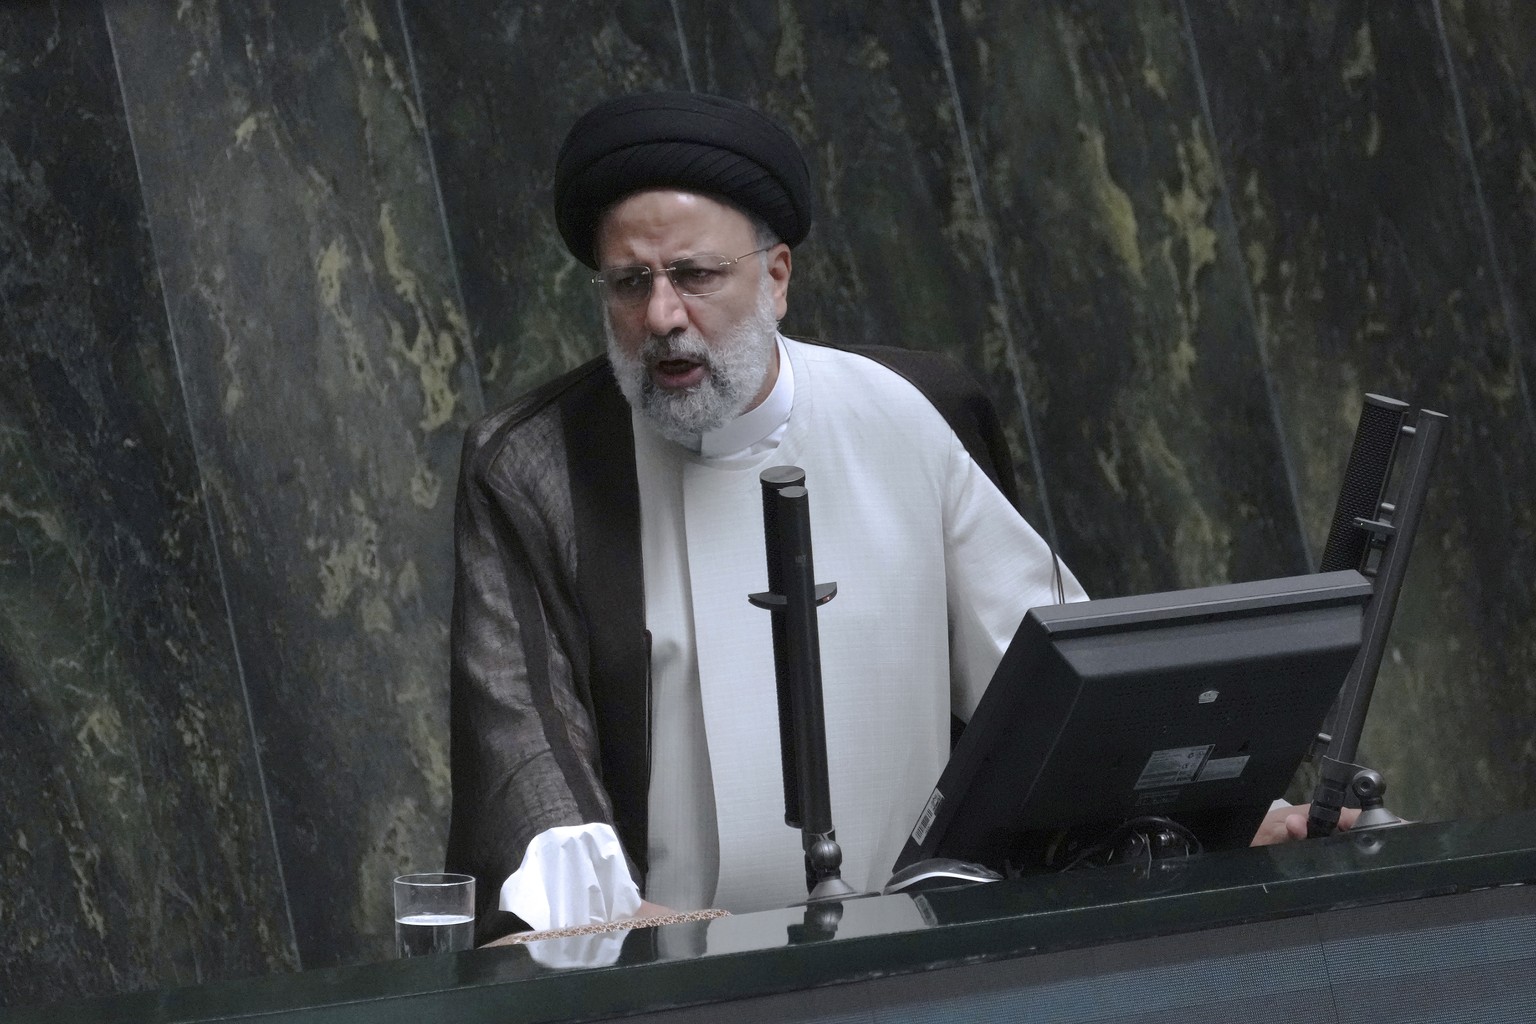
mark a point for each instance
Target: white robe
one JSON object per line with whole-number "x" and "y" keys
{"x": 934, "y": 571}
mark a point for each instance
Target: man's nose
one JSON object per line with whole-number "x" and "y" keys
{"x": 664, "y": 310}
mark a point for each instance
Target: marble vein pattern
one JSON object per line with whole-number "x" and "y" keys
{"x": 135, "y": 844}
{"x": 1362, "y": 187}
{"x": 325, "y": 358}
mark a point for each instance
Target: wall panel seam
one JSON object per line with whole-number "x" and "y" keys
{"x": 471, "y": 354}
{"x": 682, "y": 47}
{"x": 1250, "y": 307}
{"x": 207, "y": 506}
{"x": 994, "y": 272}
{"x": 1485, "y": 222}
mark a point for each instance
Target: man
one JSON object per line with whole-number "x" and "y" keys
{"x": 608, "y": 669}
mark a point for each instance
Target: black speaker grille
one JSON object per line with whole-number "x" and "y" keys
{"x": 1365, "y": 480}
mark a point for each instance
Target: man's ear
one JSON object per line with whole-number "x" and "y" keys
{"x": 780, "y": 265}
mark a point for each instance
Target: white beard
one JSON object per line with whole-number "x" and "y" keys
{"x": 736, "y": 367}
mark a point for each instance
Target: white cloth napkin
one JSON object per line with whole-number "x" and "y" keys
{"x": 572, "y": 875}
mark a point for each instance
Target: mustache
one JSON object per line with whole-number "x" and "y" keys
{"x": 660, "y": 347}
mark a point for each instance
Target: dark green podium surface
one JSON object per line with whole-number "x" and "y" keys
{"x": 1423, "y": 922}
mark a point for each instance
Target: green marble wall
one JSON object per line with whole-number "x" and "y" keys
{"x": 135, "y": 845}
{"x": 1373, "y": 155}
{"x": 1161, "y": 453}
{"x": 261, "y": 262}
{"x": 289, "y": 192}
{"x": 498, "y": 100}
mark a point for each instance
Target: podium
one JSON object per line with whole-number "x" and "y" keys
{"x": 1348, "y": 928}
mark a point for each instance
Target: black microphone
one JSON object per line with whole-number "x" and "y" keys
{"x": 792, "y": 600}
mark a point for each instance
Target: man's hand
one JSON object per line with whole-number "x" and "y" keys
{"x": 1283, "y": 824}
{"x": 649, "y": 909}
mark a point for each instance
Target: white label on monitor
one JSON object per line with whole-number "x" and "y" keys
{"x": 1173, "y": 767}
{"x": 926, "y": 819}
{"x": 1222, "y": 768}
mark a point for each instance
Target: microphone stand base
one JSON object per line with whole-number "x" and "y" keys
{"x": 833, "y": 889}
{"x": 1374, "y": 818}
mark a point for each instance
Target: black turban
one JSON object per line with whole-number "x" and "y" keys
{"x": 678, "y": 140}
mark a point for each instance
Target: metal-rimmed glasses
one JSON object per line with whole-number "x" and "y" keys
{"x": 703, "y": 273}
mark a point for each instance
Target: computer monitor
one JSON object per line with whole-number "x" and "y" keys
{"x": 1195, "y": 705}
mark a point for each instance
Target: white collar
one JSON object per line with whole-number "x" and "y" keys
{"x": 765, "y": 423}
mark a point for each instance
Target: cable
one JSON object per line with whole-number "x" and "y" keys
{"x": 1132, "y": 838}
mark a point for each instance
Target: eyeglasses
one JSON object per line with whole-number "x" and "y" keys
{"x": 700, "y": 274}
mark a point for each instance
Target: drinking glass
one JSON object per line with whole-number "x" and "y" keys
{"x": 434, "y": 913}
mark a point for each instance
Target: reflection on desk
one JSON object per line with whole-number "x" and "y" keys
{"x": 1289, "y": 906}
